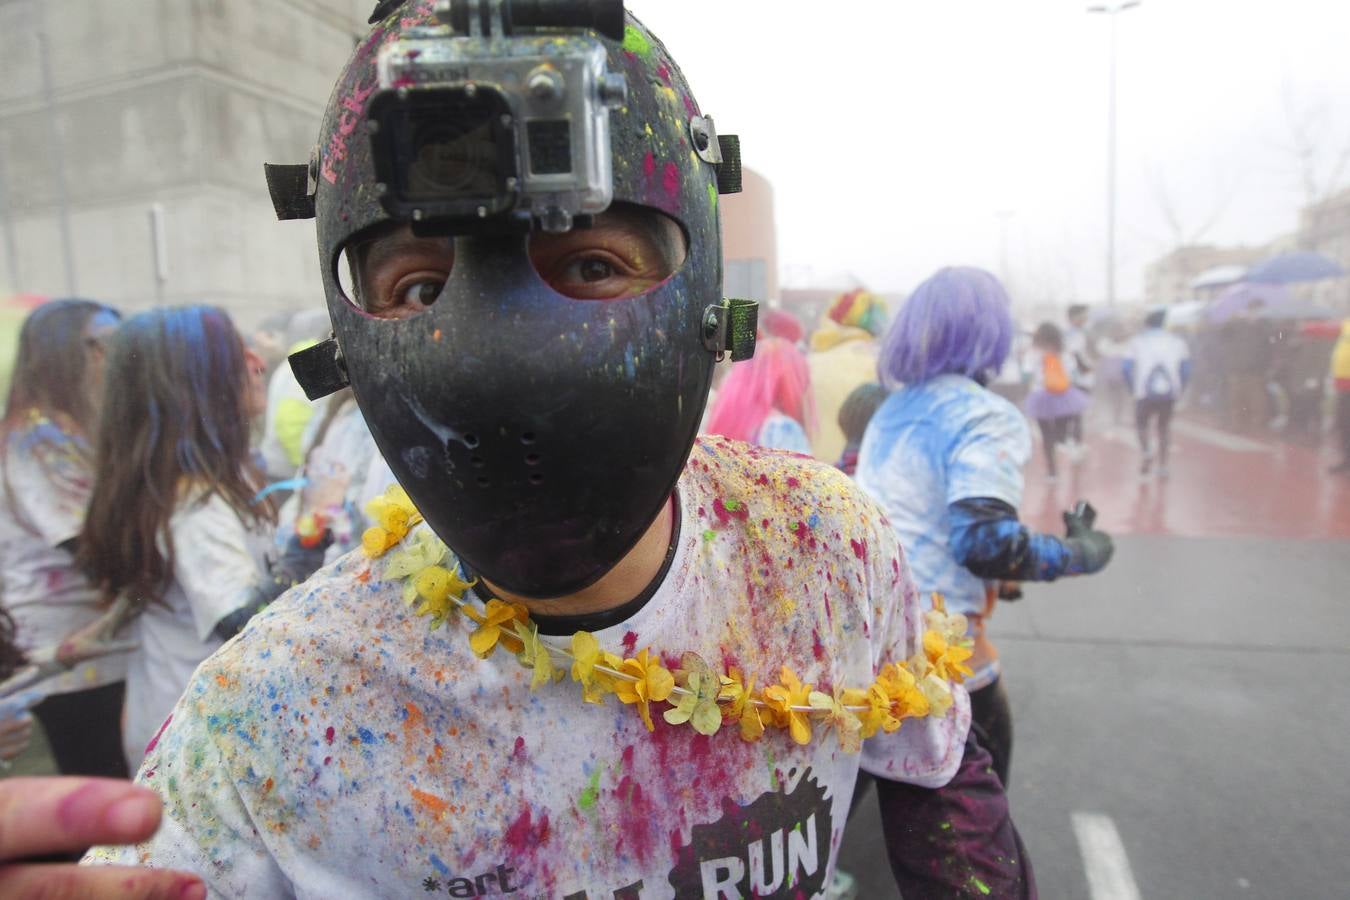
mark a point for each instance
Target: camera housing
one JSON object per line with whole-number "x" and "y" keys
{"x": 492, "y": 131}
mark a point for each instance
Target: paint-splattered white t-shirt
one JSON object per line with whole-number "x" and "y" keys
{"x": 339, "y": 748}
{"x": 47, "y": 479}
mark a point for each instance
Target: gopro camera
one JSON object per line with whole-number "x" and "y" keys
{"x": 498, "y": 118}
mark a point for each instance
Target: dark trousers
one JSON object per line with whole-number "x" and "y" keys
{"x": 1145, "y": 411}
{"x": 1053, "y": 433}
{"x": 956, "y": 841}
{"x": 84, "y": 729}
{"x": 991, "y": 720}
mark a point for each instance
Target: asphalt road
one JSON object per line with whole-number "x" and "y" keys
{"x": 1191, "y": 696}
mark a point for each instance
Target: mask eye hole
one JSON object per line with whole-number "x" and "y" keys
{"x": 627, "y": 252}
{"x": 391, "y": 274}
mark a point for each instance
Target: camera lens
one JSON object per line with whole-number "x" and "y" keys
{"x": 454, "y": 153}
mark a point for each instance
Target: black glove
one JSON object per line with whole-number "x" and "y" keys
{"x": 296, "y": 563}
{"x": 1091, "y": 549}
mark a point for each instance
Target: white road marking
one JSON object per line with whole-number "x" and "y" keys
{"x": 1108, "y": 868}
{"x": 1216, "y": 438}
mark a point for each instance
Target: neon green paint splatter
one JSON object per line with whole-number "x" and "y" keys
{"x": 980, "y": 885}
{"x": 946, "y": 826}
{"x": 712, "y": 195}
{"x": 592, "y": 792}
{"x": 709, "y": 534}
{"x": 732, "y": 505}
{"x": 635, "y": 42}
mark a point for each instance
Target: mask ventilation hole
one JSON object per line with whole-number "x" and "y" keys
{"x": 477, "y": 462}
{"x": 527, "y": 438}
{"x": 483, "y": 481}
{"x": 532, "y": 459}
{"x": 471, "y": 441}
{"x": 536, "y": 478}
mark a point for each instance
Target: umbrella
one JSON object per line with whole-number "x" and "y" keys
{"x": 1241, "y": 296}
{"x": 1184, "y": 314}
{"x": 1293, "y": 267}
{"x": 1218, "y": 276}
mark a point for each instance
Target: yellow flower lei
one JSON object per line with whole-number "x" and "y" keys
{"x": 695, "y": 694}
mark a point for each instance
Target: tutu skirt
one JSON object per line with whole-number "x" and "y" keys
{"x": 1042, "y": 404}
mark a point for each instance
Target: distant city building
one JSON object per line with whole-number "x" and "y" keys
{"x": 750, "y": 240}
{"x": 1325, "y": 228}
{"x": 132, "y": 139}
{"x": 1168, "y": 278}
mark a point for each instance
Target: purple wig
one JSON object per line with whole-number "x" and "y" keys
{"x": 956, "y": 322}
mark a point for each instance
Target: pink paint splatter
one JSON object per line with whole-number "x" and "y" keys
{"x": 817, "y": 648}
{"x": 630, "y": 643}
{"x": 329, "y": 734}
{"x": 523, "y": 836}
{"x": 859, "y": 549}
{"x": 518, "y": 753}
{"x": 154, "y": 741}
{"x": 663, "y": 72}
{"x": 670, "y": 180}
{"x": 649, "y": 164}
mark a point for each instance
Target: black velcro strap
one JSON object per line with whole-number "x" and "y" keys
{"x": 741, "y": 328}
{"x": 729, "y": 169}
{"x": 289, "y": 187}
{"x": 319, "y": 369}
{"x": 382, "y": 9}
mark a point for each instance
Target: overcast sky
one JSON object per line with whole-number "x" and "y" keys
{"x": 895, "y": 133}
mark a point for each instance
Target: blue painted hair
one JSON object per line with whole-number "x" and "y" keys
{"x": 956, "y": 322}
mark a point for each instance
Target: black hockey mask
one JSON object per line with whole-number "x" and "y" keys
{"x": 539, "y": 435}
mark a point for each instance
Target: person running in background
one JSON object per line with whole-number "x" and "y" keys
{"x": 1340, "y": 379}
{"x": 854, "y": 415}
{"x": 47, "y": 466}
{"x": 943, "y": 456}
{"x": 1080, "y": 356}
{"x": 843, "y": 355}
{"x": 172, "y": 521}
{"x": 1053, "y": 401}
{"x": 1157, "y": 369}
{"x": 767, "y": 400}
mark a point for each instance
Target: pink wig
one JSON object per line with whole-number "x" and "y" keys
{"x": 775, "y": 378}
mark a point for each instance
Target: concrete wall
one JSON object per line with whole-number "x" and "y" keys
{"x": 174, "y": 102}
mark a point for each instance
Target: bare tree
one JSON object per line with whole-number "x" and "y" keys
{"x": 1317, "y": 144}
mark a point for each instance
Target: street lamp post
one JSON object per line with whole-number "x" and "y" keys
{"x": 1111, "y": 9}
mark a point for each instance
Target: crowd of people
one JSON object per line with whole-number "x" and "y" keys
{"x": 350, "y": 617}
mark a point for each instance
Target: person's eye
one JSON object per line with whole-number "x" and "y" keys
{"x": 591, "y": 269}
{"x": 409, "y": 295}
{"x": 420, "y": 294}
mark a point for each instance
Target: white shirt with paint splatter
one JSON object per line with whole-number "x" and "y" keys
{"x": 339, "y": 748}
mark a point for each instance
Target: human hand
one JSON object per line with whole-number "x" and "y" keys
{"x": 43, "y": 816}
{"x": 14, "y": 736}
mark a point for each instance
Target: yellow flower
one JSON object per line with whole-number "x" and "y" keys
{"x": 847, "y": 725}
{"x": 652, "y": 682}
{"x": 536, "y": 656}
{"x": 436, "y": 585}
{"x": 490, "y": 631}
{"x": 781, "y": 699}
{"x": 698, "y": 704}
{"x": 393, "y": 514}
{"x": 904, "y": 699}
{"x": 938, "y": 693}
{"x": 948, "y": 660}
{"x": 425, "y": 549}
{"x": 876, "y": 713}
{"x": 743, "y": 707}
{"x": 952, "y": 626}
{"x": 586, "y": 655}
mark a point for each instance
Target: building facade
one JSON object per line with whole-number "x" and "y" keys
{"x": 132, "y": 138}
